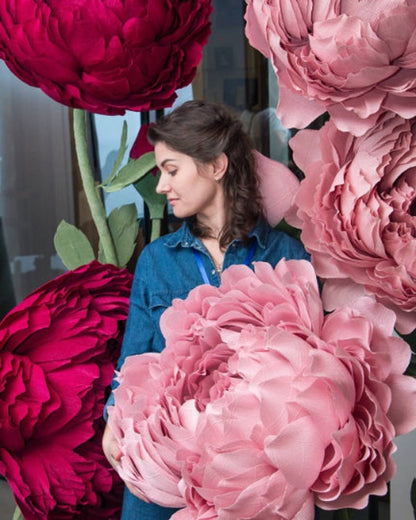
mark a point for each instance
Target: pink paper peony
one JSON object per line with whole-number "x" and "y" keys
{"x": 105, "y": 56}
{"x": 278, "y": 186}
{"x": 58, "y": 349}
{"x": 355, "y": 58}
{"x": 260, "y": 406}
{"x": 357, "y": 206}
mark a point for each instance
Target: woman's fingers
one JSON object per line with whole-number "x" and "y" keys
{"x": 113, "y": 453}
{"x": 134, "y": 491}
{"x": 111, "y": 448}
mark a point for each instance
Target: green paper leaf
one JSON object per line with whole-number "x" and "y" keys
{"x": 156, "y": 229}
{"x": 133, "y": 171}
{"x": 101, "y": 256}
{"x": 72, "y": 246}
{"x": 287, "y": 228}
{"x": 156, "y": 203}
{"x": 121, "y": 151}
{"x": 17, "y": 515}
{"x": 124, "y": 227}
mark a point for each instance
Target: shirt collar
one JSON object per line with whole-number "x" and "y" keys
{"x": 185, "y": 238}
{"x": 261, "y": 232}
{"x": 182, "y": 236}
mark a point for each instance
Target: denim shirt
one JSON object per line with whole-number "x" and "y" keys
{"x": 167, "y": 269}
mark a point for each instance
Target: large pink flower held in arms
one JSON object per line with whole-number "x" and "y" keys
{"x": 357, "y": 206}
{"x": 353, "y": 58}
{"x": 58, "y": 349}
{"x": 260, "y": 406}
{"x": 105, "y": 56}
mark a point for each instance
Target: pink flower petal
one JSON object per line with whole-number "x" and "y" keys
{"x": 278, "y": 187}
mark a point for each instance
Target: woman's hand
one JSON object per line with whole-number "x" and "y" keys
{"x": 113, "y": 454}
{"x": 111, "y": 448}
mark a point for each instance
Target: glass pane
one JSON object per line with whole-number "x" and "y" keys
{"x": 35, "y": 183}
{"x": 234, "y": 73}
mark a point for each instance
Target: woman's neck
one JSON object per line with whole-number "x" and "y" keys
{"x": 216, "y": 253}
{"x": 215, "y": 221}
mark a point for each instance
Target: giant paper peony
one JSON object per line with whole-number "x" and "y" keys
{"x": 357, "y": 206}
{"x": 105, "y": 56}
{"x": 353, "y": 58}
{"x": 260, "y": 406}
{"x": 58, "y": 349}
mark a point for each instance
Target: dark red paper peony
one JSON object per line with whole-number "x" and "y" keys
{"x": 105, "y": 56}
{"x": 58, "y": 349}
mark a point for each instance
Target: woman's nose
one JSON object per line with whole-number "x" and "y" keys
{"x": 162, "y": 185}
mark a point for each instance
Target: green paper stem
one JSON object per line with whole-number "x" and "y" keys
{"x": 91, "y": 191}
{"x": 156, "y": 228}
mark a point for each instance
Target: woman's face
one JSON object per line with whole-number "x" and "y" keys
{"x": 190, "y": 190}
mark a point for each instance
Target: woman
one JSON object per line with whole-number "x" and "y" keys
{"x": 208, "y": 176}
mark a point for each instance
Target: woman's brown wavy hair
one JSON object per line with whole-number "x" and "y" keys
{"x": 203, "y": 130}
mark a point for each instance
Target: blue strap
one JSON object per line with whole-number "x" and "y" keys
{"x": 201, "y": 266}
{"x": 250, "y": 253}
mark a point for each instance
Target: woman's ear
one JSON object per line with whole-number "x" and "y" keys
{"x": 220, "y": 165}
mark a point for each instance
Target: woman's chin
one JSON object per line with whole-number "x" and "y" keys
{"x": 178, "y": 213}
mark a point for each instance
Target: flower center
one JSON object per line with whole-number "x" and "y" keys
{"x": 412, "y": 209}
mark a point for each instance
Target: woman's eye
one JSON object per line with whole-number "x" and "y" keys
{"x": 172, "y": 172}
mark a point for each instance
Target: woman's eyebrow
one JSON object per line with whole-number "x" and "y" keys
{"x": 165, "y": 161}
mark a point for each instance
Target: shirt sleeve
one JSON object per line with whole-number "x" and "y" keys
{"x": 297, "y": 251}
{"x": 140, "y": 329}
{"x": 281, "y": 245}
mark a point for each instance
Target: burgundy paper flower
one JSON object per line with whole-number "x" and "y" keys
{"x": 260, "y": 406}
{"x": 354, "y": 59}
{"x": 141, "y": 146}
{"x": 357, "y": 206}
{"x": 58, "y": 349}
{"x": 105, "y": 56}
